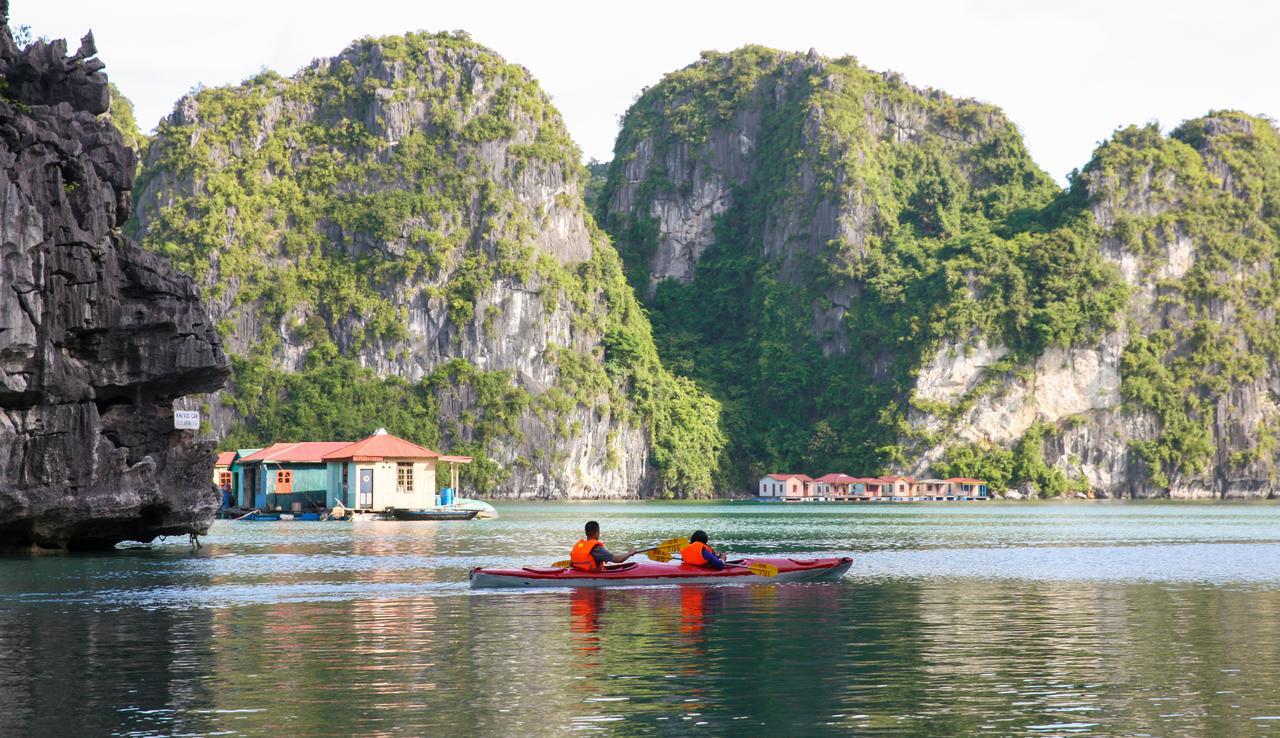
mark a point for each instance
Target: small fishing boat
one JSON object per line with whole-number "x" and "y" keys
{"x": 431, "y": 514}
{"x": 259, "y": 515}
{"x": 650, "y": 573}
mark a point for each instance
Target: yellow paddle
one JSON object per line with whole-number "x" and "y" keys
{"x": 760, "y": 570}
{"x": 656, "y": 553}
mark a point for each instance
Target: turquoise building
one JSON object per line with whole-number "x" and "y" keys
{"x": 288, "y": 477}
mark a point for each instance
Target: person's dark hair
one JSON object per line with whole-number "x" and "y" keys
{"x": 593, "y": 528}
{"x": 699, "y": 536}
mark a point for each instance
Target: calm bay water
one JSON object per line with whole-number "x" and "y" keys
{"x": 1088, "y": 619}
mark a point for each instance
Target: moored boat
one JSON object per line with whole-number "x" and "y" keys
{"x": 650, "y": 573}
{"x": 483, "y": 509}
{"x": 432, "y": 514}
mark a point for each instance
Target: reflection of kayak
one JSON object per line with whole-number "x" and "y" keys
{"x": 650, "y": 573}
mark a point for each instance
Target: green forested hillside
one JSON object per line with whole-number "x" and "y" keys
{"x": 937, "y": 231}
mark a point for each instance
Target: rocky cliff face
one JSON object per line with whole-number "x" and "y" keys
{"x": 97, "y": 337}
{"x": 410, "y": 212}
{"x": 806, "y": 230}
{"x": 875, "y": 277}
{"x": 1180, "y": 400}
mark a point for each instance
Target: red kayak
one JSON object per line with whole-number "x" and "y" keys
{"x": 650, "y": 573}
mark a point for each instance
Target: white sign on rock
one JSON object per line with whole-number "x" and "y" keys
{"x": 186, "y": 419}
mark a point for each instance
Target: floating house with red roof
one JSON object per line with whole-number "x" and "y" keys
{"x": 292, "y": 477}
{"x": 897, "y": 487}
{"x": 837, "y": 486}
{"x": 953, "y": 488}
{"x": 384, "y": 471}
{"x": 967, "y": 487}
{"x": 869, "y": 487}
{"x": 786, "y": 486}
{"x": 222, "y": 475}
{"x": 931, "y": 488}
{"x": 374, "y": 473}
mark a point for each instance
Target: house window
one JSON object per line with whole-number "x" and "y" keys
{"x": 404, "y": 477}
{"x": 224, "y": 479}
{"x": 284, "y": 477}
{"x": 344, "y": 478}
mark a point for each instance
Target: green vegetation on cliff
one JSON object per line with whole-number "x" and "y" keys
{"x": 911, "y": 216}
{"x": 333, "y": 397}
{"x": 321, "y": 211}
{"x": 1214, "y": 182}
{"x": 122, "y": 115}
{"x": 301, "y": 192}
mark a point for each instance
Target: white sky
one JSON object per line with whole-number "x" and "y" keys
{"x": 1067, "y": 73}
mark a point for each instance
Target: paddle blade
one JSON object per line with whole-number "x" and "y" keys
{"x": 671, "y": 545}
{"x": 563, "y": 564}
{"x": 760, "y": 570}
{"x": 659, "y": 555}
{"x": 764, "y": 570}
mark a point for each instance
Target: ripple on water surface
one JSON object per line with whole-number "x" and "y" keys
{"x": 963, "y": 619}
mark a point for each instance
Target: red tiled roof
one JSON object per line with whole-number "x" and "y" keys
{"x": 894, "y": 479}
{"x": 456, "y": 459}
{"x": 305, "y": 452}
{"x": 225, "y": 458}
{"x": 785, "y": 477}
{"x": 380, "y": 446}
{"x": 965, "y": 480}
{"x": 835, "y": 478}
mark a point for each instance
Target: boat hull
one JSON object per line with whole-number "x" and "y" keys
{"x": 425, "y": 515}
{"x": 650, "y": 574}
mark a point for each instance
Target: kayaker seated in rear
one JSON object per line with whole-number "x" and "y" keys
{"x": 589, "y": 554}
{"x": 698, "y": 553}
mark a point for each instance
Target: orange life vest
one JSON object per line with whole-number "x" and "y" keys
{"x": 692, "y": 554}
{"x": 580, "y": 556}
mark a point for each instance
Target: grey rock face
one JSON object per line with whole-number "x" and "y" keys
{"x": 698, "y": 182}
{"x": 97, "y": 338}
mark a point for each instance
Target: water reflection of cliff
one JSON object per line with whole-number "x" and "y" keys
{"x": 1169, "y": 660}
{"x": 105, "y": 670}
{"x": 348, "y": 666}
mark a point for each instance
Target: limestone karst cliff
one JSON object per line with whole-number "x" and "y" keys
{"x": 97, "y": 337}
{"x": 1180, "y": 397}
{"x": 396, "y": 237}
{"x": 872, "y": 276}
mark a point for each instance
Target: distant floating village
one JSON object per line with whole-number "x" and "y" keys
{"x": 383, "y": 474}
{"x": 845, "y": 488}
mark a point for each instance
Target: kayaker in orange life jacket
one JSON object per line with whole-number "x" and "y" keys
{"x": 698, "y": 553}
{"x": 589, "y": 554}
